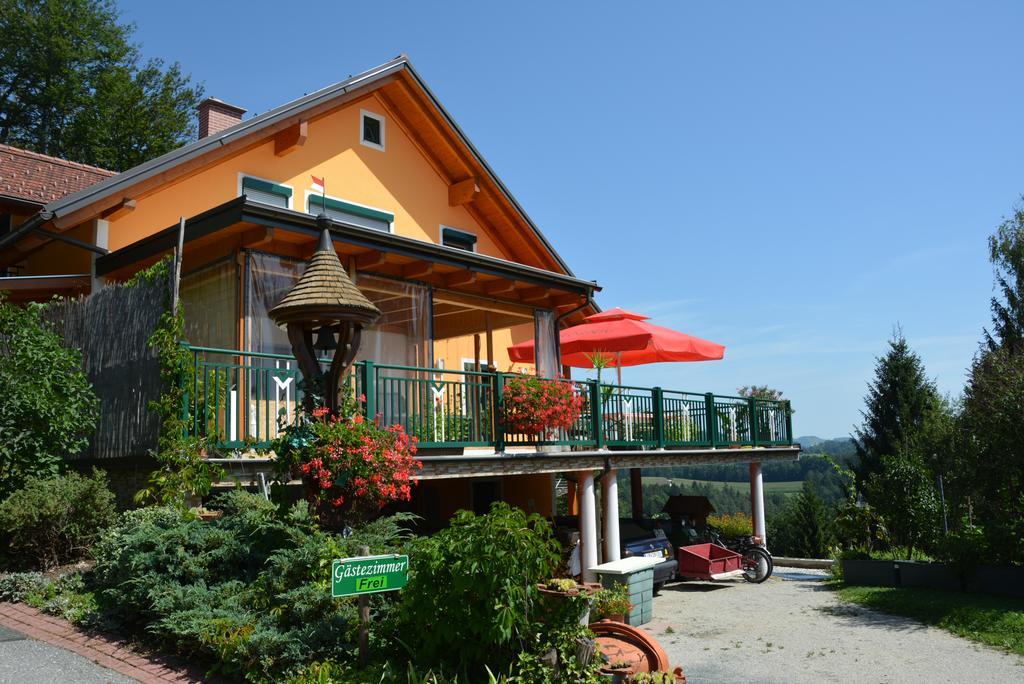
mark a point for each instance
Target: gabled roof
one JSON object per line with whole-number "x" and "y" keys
{"x": 113, "y": 189}
{"x": 40, "y": 178}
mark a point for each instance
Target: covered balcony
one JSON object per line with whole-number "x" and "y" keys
{"x": 243, "y": 400}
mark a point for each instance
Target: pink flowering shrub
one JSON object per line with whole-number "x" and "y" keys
{"x": 351, "y": 464}
{"x": 534, "y": 406}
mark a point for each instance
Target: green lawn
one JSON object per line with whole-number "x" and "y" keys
{"x": 992, "y": 620}
{"x": 780, "y": 487}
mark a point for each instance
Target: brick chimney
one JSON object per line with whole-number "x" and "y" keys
{"x": 215, "y": 116}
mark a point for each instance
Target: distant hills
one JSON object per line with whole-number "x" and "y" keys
{"x": 839, "y": 447}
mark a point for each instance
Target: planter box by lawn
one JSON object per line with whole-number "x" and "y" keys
{"x": 931, "y": 575}
{"x": 869, "y": 573}
{"x": 988, "y": 579}
{"x": 985, "y": 579}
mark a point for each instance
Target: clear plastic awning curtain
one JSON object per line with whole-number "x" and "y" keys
{"x": 401, "y": 336}
{"x": 209, "y": 299}
{"x": 546, "y": 334}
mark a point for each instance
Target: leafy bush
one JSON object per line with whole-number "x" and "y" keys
{"x": 56, "y": 521}
{"x": 249, "y": 592}
{"x": 47, "y": 407}
{"x": 353, "y": 465}
{"x": 733, "y": 525}
{"x": 472, "y": 600}
{"x": 15, "y": 586}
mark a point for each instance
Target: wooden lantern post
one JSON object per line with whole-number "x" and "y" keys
{"x": 324, "y": 301}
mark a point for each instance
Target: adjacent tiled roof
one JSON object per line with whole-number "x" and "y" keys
{"x": 324, "y": 288}
{"x": 40, "y": 178}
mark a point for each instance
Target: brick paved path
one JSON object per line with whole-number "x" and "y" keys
{"x": 104, "y": 650}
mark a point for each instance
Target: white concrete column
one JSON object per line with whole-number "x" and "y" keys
{"x": 588, "y": 525}
{"x": 610, "y": 504}
{"x": 100, "y": 238}
{"x": 757, "y": 501}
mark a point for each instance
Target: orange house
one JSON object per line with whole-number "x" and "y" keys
{"x": 431, "y": 235}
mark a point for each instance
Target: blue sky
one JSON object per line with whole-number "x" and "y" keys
{"x": 791, "y": 180}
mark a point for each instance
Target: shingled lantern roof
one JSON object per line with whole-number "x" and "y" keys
{"x": 324, "y": 294}
{"x": 326, "y": 300}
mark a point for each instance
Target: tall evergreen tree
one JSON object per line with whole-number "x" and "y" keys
{"x": 900, "y": 402}
{"x": 73, "y": 85}
{"x": 1006, "y": 251}
{"x": 989, "y": 468}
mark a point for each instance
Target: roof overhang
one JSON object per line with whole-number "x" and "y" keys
{"x": 441, "y": 266}
{"x": 467, "y": 163}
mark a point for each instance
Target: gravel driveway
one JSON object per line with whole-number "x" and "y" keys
{"x": 793, "y": 629}
{"x": 27, "y": 661}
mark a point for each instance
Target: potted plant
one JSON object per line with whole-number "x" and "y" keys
{"x": 350, "y": 467}
{"x": 536, "y": 406}
{"x": 612, "y": 603}
{"x": 618, "y": 670}
{"x": 660, "y": 677}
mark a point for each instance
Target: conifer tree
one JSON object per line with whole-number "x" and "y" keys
{"x": 1006, "y": 251}
{"x": 900, "y": 401}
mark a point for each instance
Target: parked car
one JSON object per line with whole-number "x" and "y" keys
{"x": 638, "y": 541}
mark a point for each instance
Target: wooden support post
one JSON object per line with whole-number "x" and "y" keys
{"x": 636, "y": 491}
{"x": 489, "y": 330}
{"x": 364, "y": 620}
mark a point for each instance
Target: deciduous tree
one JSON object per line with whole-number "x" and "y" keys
{"x": 74, "y": 85}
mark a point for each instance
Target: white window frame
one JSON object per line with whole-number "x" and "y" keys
{"x": 379, "y": 118}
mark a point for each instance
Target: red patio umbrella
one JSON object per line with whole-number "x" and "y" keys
{"x": 626, "y": 339}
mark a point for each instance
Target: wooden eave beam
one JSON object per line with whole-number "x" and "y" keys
{"x": 371, "y": 259}
{"x": 257, "y": 237}
{"x": 417, "y": 270}
{"x": 534, "y": 294}
{"x": 463, "y": 192}
{"x": 291, "y": 138}
{"x": 125, "y": 206}
{"x": 460, "y": 279}
{"x": 498, "y": 287}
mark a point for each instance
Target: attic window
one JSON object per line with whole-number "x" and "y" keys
{"x": 372, "y": 130}
{"x": 266, "y": 192}
{"x": 459, "y": 239}
{"x": 352, "y": 214}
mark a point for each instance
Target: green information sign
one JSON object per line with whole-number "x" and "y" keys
{"x": 368, "y": 575}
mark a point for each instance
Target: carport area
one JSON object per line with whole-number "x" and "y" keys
{"x": 588, "y": 471}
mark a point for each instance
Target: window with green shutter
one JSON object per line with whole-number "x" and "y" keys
{"x": 266, "y": 192}
{"x": 352, "y": 214}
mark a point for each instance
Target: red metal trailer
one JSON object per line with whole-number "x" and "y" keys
{"x": 709, "y": 562}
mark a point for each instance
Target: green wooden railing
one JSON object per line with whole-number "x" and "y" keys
{"x": 247, "y": 398}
